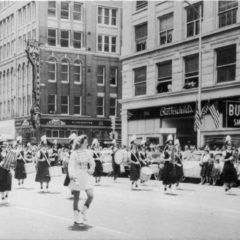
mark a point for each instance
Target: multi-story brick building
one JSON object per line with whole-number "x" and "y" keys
{"x": 161, "y": 67}
{"x": 80, "y": 80}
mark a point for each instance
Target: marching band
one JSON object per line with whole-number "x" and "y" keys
{"x": 84, "y": 165}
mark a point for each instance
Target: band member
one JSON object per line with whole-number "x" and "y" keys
{"x": 169, "y": 170}
{"x": 43, "y": 164}
{"x": 116, "y": 166}
{"x": 229, "y": 173}
{"x": 54, "y": 154}
{"x": 81, "y": 167}
{"x": 29, "y": 153}
{"x": 8, "y": 161}
{"x": 20, "y": 171}
{"x": 135, "y": 164}
{"x": 67, "y": 154}
{"x": 98, "y": 164}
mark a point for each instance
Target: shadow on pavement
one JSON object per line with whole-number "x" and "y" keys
{"x": 48, "y": 192}
{"x": 25, "y": 188}
{"x": 171, "y": 194}
{"x": 185, "y": 189}
{"x": 80, "y": 227}
{"x": 5, "y": 204}
{"x": 104, "y": 185}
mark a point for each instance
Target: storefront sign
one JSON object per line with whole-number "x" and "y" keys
{"x": 232, "y": 114}
{"x": 178, "y": 110}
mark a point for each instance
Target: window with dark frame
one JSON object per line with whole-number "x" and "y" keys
{"x": 100, "y": 75}
{"x": 166, "y": 28}
{"x": 64, "y": 70}
{"x": 227, "y": 12}
{"x": 141, "y": 4}
{"x": 52, "y": 8}
{"x": 141, "y": 37}
{"x": 64, "y": 104}
{"x": 51, "y": 70}
{"x": 226, "y": 64}
{"x": 77, "y": 39}
{"x": 52, "y": 104}
{"x": 107, "y": 43}
{"x": 77, "y": 72}
{"x": 164, "y": 77}
{"x": 100, "y": 106}
{"x": 77, "y": 11}
{"x": 52, "y": 35}
{"x": 191, "y": 71}
{"x": 113, "y": 74}
{"x": 113, "y": 107}
{"x": 193, "y": 13}
{"x": 140, "y": 75}
{"x": 64, "y": 10}
{"x": 64, "y": 41}
{"x": 77, "y": 105}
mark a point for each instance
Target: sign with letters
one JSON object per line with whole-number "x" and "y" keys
{"x": 232, "y": 114}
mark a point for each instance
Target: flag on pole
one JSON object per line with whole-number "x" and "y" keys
{"x": 215, "y": 114}
{"x": 197, "y": 119}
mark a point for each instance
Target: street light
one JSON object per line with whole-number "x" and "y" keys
{"x": 200, "y": 66}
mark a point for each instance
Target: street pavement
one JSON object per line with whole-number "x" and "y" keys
{"x": 193, "y": 212}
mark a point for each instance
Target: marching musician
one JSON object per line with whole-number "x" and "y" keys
{"x": 8, "y": 161}
{"x": 97, "y": 158}
{"x": 54, "y": 154}
{"x": 20, "y": 171}
{"x": 115, "y": 165}
{"x": 43, "y": 164}
{"x": 169, "y": 171}
{"x": 29, "y": 153}
{"x": 135, "y": 164}
{"x": 66, "y": 157}
{"x": 229, "y": 173}
{"x": 81, "y": 167}
{"x": 178, "y": 162}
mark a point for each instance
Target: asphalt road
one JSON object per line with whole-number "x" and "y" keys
{"x": 194, "y": 212}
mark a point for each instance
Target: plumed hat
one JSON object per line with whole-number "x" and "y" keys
{"x": 133, "y": 139}
{"x": 169, "y": 139}
{"x": 72, "y": 137}
{"x": 228, "y": 140}
{"x": 19, "y": 140}
{"x": 95, "y": 142}
{"x": 43, "y": 140}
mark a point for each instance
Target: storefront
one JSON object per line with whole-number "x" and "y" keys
{"x": 155, "y": 124}
{"x": 60, "y": 129}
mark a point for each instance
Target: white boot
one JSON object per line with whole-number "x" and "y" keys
{"x": 84, "y": 213}
{"x": 76, "y": 217}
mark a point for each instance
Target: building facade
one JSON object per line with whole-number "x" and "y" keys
{"x": 80, "y": 80}
{"x": 160, "y": 70}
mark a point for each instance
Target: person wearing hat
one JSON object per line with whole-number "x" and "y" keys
{"x": 169, "y": 172}
{"x": 98, "y": 164}
{"x": 43, "y": 164}
{"x": 20, "y": 171}
{"x": 204, "y": 165}
{"x": 81, "y": 167}
{"x": 229, "y": 174}
{"x": 29, "y": 153}
{"x": 8, "y": 161}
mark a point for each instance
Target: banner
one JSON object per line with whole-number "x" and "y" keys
{"x": 232, "y": 114}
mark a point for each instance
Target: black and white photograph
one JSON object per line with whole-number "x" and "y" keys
{"x": 120, "y": 120}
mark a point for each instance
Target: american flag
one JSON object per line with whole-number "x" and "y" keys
{"x": 197, "y": 119}
{"x": 215, "y": 114}
{"x": 205, "y": 109}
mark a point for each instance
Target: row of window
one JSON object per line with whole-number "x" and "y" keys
{"x": 77, "y": 72}
{"x": 64, "y": 38}
{"x": 65, "y": 10}
{"x": 227, "y": 13}
{"x": 6, "y": 26}
{"x": 9, "y": 109}
{"x": 77, "y": 109}
{"x": 7, "y": 50}
{"x": 26, "y": 14}
{"x": 68, "y": 38}
{"x": 225, "y": 68}
{"x": 106, "y": 16}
